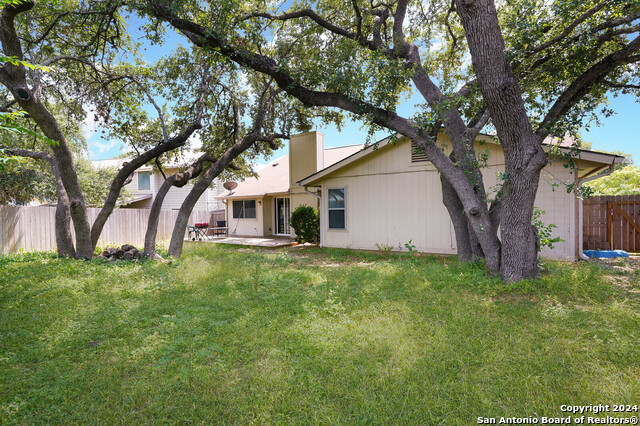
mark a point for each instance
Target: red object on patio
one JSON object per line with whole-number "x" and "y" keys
{"x": 198, "y": 230}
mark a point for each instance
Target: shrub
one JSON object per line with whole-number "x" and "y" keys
{"x": 305, "y": 221}
{"x": 544, "y": 231}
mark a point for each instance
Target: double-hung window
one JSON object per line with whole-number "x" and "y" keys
{"x": 144, "y": 181}
{"x": 244, "y": 209}
{"x": 337, "y": 208}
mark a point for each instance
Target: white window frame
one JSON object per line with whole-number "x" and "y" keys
{"x": 287, "y": 220}
{"x": 329, "y": 228}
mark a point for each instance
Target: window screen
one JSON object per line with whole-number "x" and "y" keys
{"x": 144, "y": 181}
{"x": 244, "y": 209}
{"x": 337, "y": 209}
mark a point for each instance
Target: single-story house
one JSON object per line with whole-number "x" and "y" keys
{"x": 262, "y": 205}
{"x": 146, "y": 182}
{"x": 388, "y": 193}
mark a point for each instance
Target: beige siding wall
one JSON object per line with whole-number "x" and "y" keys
{"x": 268, "y": 219}
{"x": 306, "y": 155}
{"x": 212, "y": 202}
{"x": 560, "y": 209}
{"x": 391, "y": 201}
{"x": 302, "y": 199}
{"x": 248, "y": 227}
{"x": 132, "y": 187}
{"x": 175, "y": 196}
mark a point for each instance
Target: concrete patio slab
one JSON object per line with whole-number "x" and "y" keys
{"x": 255, "y": 241}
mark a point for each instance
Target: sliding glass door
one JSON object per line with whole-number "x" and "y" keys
{"x": 283, "y": 212}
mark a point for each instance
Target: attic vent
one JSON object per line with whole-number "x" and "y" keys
{"x": 417, "y": 155}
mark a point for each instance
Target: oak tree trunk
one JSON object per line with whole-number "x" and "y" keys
{"x": 68, "y": 176}
{"x": 460, "y": 224}
{"x": 13, "y": 77}
{"x": 130, "y": 167}
{"x": 64, "y": 239}
{"x": 177, "y": 236}
{"x": 154, "y": 217}
{"x": 178, "y": 180}
{"x": 524, "y": 158}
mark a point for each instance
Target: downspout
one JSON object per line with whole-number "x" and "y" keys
{"x": 580, "y": 214}
{"x": 226, "y": 210}
{"x": 315, "y": 194}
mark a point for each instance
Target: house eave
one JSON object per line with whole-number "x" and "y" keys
{"x": 596, "y": 157}
{"x": 249, "y": 196}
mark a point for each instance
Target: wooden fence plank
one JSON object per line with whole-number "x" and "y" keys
{"x": 33, "y": 228}
{"x": 612, "y": 222}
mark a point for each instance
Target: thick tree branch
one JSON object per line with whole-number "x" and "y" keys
{"x": 621, "y": 86}
{"x": 36, "y": 155}
{"x": 399, "y": 47}
{"x": 143, "y": 158}
{"x": 581, "y": 86}
{"x": 467, "y": 88}
{"x": 356, "y": 9}
{"x": 616, "y": 22}
{"x": 54, "y": 59}
{"x": 454, "y": 39}
{"x": 586, "y": 15}
{"x": 305, "y": 13}
{"x": 478, "y": 122}
{"x": 10, "y": 41}
{"x": 378, "y": 23}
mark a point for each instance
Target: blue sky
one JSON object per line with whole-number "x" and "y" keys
{"x": 620, "y": 132}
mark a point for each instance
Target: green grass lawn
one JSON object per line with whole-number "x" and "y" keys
{"x": 304, "y": 335}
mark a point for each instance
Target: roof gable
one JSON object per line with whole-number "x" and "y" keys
{"x": 274, "y": 177}
{"x": 564, "y": 145}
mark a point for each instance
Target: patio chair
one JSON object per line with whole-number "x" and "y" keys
{"x": 220, "y": 228}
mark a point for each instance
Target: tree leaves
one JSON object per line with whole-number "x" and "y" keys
{"x": 15, "y": 61}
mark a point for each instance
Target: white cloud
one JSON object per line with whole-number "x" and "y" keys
{"x": 196, "y": 140}
{"x": 435, "y": 46}
{"x": 89, "y": 125}
{"x": 104, "y": 147}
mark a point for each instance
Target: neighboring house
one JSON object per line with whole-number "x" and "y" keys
{"x": 389, "y": 194}
{"x": 146, "y": 182}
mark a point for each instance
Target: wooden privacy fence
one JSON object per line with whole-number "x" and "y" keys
{"x": 612, "y": 223}
{"x": 32, "y": 228}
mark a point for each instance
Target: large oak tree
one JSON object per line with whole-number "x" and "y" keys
{"x": 86, "y": 72}
{"x": 531, "y": 69}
